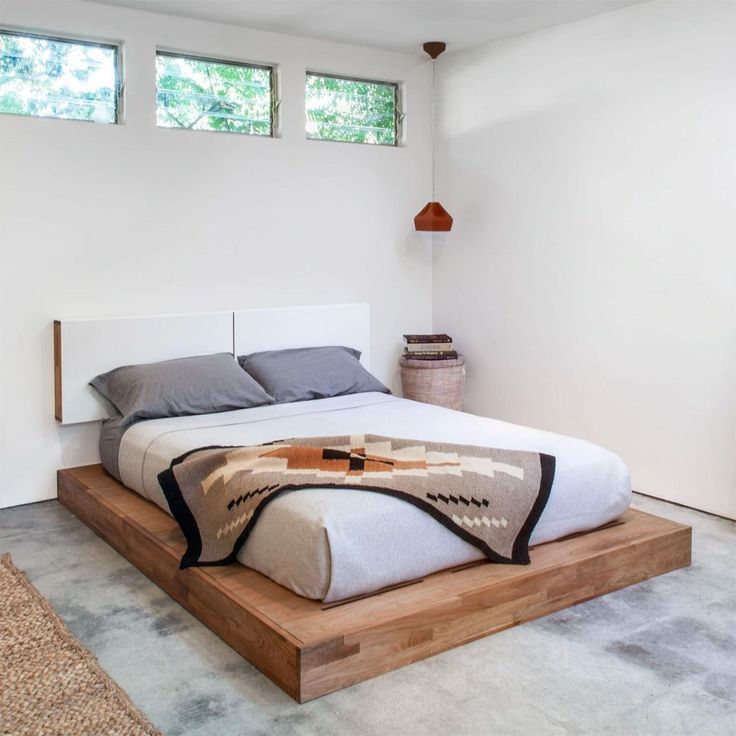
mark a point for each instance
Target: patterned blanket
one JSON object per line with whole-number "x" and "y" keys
{"x": 490, "y": 498}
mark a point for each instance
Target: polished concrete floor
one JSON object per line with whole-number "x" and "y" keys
{"x": 656, "y": 658}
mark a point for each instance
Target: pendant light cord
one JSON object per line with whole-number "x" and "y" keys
{"x": 434, "y": 115}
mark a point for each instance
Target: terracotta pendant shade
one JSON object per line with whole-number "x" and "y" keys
{"x": 433, "y": 218}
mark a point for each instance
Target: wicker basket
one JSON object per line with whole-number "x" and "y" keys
{"x": 439, "y": 382}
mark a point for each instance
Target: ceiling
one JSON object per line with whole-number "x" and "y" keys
{"x": 399, "y": 25}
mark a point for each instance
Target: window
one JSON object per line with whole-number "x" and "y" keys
{"x": 351, "y": 110}
{"x": 54, "y": 78}
{"x": 204, "y": 94}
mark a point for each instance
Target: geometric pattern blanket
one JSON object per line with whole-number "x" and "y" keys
{"x": 490, "y": 498}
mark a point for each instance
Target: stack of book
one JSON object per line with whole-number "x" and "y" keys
{"x": 429, "y": 347}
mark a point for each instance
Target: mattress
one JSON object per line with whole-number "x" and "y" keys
{"x": 332, "y": 544}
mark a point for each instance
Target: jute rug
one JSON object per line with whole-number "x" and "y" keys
{"x": 49, "y": 683}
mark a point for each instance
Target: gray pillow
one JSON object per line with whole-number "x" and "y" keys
{"x": 199, "y": 385}
{"x": 300, "y": 374}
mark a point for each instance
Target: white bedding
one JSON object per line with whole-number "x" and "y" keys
{"x": 332, "y": 544}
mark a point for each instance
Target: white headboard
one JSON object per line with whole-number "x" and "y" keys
{"x": 305, "y": 327}
{"x": 84, "y": 348}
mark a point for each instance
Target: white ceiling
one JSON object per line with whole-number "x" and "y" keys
{"x": 400, "y": 25}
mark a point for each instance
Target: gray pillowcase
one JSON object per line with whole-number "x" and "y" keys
{"x": 300, "y": 374}
{"x": 202, "y": 384}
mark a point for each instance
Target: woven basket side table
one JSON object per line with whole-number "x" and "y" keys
{"x": 440, "y": 382}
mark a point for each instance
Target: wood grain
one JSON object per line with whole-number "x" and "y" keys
{"x": 58, "y": 414}
{"x": 109, "y": 509}
{"x": 310, "y": 649}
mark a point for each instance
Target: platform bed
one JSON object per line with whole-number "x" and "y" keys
{"x": 309, "y": 648}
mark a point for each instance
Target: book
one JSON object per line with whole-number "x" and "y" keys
{"x": 414, "y": 339}
{"x": 428, "y": 352}
{"x": 421, "y": 347}
{"x": 436, "y": 355}
{"x": 433, "y": 358}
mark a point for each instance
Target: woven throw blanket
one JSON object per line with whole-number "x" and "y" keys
{"x": 490, "y": 498}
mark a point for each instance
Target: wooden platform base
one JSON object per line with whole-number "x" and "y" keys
{"x": 310, "y": 649}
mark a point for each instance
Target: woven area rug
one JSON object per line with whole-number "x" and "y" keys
{"x": 49, "y": 683}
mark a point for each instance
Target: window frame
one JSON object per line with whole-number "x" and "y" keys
{"x": 117, "y": 48}
{"x": 274, "y": 102}
{"x": 398, "y": 116}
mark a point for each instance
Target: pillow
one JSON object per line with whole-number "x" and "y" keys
{"x": 199, "y": 385}
{"x": 301, "y": 374}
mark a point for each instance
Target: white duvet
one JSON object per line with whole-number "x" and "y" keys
{"x": 331, "y": 544}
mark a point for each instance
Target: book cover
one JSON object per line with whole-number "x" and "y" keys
{"x": 447, "y": 355}
{"x": 429, "y": 346}
{"x": 414, "y": 353}
{"x": 427, "y": 338}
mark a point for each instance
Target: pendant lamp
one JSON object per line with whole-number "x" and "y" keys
{"x": 433, "y": 217}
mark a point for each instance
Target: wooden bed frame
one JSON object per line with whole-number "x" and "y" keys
{"x": 310, "y": 648}
{"x": 306, "y": 647}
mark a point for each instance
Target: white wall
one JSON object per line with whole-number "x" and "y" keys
{"x": 131, "y": 219}
{"x": 589, "y": 278}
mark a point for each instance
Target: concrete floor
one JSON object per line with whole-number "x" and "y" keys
{"x": 656, "y": 658}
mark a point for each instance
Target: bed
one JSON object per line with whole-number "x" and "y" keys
{"x": 334, "y": 544}
{"x": 412, "y": 587}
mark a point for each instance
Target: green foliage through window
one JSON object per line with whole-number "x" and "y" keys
{"x": 351, "y": 110}
{"x": 203, "y": 94}
{"x": 48, "y": 77}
